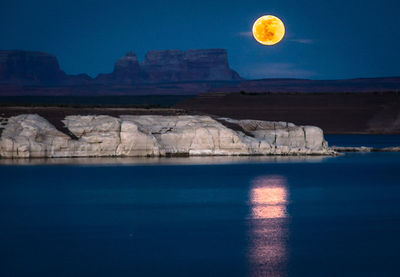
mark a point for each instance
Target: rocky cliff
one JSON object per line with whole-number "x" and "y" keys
{"x": 29, "y": 135}
{"x": 29, "y": 67}
{"x": 171, "y": 66}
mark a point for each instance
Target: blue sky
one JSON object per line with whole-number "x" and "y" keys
{"x": 324, "y": 39}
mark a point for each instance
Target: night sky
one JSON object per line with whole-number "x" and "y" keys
{"x": 324, "y": 39}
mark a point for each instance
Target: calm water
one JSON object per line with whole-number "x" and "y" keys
{"x": 377, "y": 141}
{"x": 203, "y": 217}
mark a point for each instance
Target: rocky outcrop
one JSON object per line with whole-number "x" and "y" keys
{"x": 162, "y": 66}
{"x": 283, "y": 134}
{"x": 30, "y": 135}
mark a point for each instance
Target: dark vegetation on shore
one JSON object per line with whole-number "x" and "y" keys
{"x": 335, "y": 113}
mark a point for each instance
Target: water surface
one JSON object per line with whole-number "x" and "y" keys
{"x": 335, "y": 216}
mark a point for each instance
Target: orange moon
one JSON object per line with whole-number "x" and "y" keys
{"x": 268, "y": 30}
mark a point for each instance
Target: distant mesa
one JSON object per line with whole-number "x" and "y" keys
{"x": 34, "y": 68}
{"x": 161, "y": 66}
{"x": 29, "y": 67}
{"x": 126, "y": 71}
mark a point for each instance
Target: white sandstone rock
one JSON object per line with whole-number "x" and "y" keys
{"x": 136, "y": 143}
{"x": 282, "y": 134}
{"x": 29, "y": 135}
{"x": 33, "y": 136}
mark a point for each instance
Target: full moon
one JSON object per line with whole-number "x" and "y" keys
{"x": 268, "y": 30}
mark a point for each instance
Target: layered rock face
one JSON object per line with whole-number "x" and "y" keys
{"x": 29, "y": 67}
{"x": 30, "y": 135}
{"x": 283, "y": 134}
{"x": 171, "y": 66}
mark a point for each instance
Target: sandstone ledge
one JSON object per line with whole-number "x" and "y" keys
{"x": 32, "y": 136}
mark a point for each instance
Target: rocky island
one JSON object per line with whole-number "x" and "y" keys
{"x": 32, "y": 136}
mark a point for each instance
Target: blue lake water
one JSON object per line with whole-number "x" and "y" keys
{"x": 336, "y": 216}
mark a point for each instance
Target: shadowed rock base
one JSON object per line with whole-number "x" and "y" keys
{"x": 29, "y": 135}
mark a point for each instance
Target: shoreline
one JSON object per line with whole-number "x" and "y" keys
{"x": 156, "y": 133}
{"x": 364, "y": 149}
